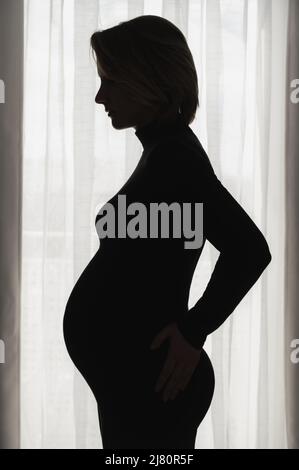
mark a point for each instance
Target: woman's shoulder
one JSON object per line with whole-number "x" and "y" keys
{"x": 182, "y": 153}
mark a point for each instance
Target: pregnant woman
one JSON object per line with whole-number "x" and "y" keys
{"x": 127, "y": 326}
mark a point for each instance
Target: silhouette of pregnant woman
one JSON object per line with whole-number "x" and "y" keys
{"x": 127, "y": 326}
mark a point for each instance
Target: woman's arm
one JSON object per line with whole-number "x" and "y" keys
{"x": 244, "y": 252}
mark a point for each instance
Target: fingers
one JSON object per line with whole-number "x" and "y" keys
{"x": 174, "y": 384}
{"x": 165, "y": 373}
{"x": 178, "y": 382}
{"x": 186, "y": 377}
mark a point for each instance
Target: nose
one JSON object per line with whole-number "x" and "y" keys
{"x": 98, "y": 99}
{"x": 101, "y": 96}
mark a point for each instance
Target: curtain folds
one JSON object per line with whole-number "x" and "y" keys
{"x": 74, "y": 161}
{"x": 292, "y": 230}
{"x": 11, "y": 109}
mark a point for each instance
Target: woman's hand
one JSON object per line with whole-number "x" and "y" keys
{"x": 180, "y": 363}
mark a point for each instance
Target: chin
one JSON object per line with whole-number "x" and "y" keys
{"x": 120, "y": 125}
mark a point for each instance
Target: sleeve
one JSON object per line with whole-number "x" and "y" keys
{"x": 244, "y": 252}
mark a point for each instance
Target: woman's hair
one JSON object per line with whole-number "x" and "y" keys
{"x": 151, "y": 57}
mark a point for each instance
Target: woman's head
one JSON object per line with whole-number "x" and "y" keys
{"x": 147, "y": 72}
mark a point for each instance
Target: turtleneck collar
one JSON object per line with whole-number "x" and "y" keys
{"x": 150, "y": 133}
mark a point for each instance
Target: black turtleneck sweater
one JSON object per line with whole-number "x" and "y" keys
{"x": 133, "y": 287}
{"x": 151, "y": 278}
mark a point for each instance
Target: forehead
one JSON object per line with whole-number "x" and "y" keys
{"x": 102, "y": 71}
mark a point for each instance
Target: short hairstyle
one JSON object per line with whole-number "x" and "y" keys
{"x": 151, "y": 57}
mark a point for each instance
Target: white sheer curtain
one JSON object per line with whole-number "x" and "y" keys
{"x": 74, "y": 160}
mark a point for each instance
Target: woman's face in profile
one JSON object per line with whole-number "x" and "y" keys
{"x": 124, "y": 111}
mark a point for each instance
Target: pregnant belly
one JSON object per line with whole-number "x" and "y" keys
{"x": 110, "y": 319}
{"x": 104, "y": 323}
{"x": 86, "y": 322}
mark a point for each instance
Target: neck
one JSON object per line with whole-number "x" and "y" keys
{"x": 151, "y": 132}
